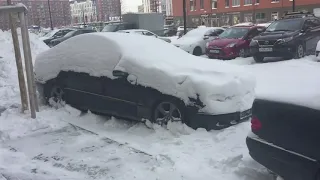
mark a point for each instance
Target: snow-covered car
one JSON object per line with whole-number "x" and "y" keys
{"x": 318, "y": 50}
{"x": 124, "y": 75}
{"x": 194, "y": 42}
{"x": 145, "y": 33}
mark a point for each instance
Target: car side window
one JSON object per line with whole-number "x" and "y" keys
{"x": 211, "y": 33}
{"x": 219, "y": 31}
{"x": 308, "y": 25}
{"x": 139, "y": 32}
{"x": 315, "y": 22}
{"x": 148, "y": 33}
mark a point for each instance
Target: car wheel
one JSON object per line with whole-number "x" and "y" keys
{"x": 299, "y": 52}
{"x": 167, "y": 111}
{"x": 243, "y": 53}
{"x": 258, "y": 59}
{"x": 197, "y": 51}
{"x": 57, "y": 94}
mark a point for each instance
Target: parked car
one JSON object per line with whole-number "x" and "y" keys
{"x": 170, "y": 32}
{"x": 318, "y": 51}
{"x": 293, "y": 36}
{"x": 70, "y": 34}
{"x": 285, "y": 139}
{"x": 233, "y": 42}
{"x": 124, "y": 75}
{"x": 194, "y": 42}
{"x": 54, "y": 34}
{"x": 145, "y": 33}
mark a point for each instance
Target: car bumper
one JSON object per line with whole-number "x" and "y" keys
{"x": 287, "y": 164}
{"x": 216, "y": 122}
{"x": 222, "y": 53}
{"x": 285, "y": 50}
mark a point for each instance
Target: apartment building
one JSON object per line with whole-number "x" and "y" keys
{"x": 38, "y": 13}
{"x": 108, "y": 10}
{"x": 230, "y": 12}
{"x": 82, "y": 11}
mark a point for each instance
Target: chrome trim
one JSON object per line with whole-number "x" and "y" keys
{"x": 112, "y": 98}
{"x": 257, "y": 138}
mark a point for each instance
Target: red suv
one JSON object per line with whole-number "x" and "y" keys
{"x": 233, "y": 42}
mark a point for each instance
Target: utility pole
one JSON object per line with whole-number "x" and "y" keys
{"x": 293, "y": 6}
{"x": 51, "y": 25}
{"x": 184, "y": 16}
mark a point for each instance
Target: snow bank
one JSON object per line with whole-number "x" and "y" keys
{"x": 222, "y": 87}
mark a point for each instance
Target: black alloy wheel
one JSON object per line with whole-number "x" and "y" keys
{"x": 167, "y": 111}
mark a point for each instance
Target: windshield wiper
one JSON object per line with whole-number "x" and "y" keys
{"x": 282, "y": 30}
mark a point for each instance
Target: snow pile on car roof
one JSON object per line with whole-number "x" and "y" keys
{"x": 222, "y": 87}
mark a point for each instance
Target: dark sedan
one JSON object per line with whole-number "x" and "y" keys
{"x": 70, "y": 34}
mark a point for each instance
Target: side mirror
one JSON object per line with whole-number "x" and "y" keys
{"x": 205, "y": 37}
{"x": 120, "y": 74}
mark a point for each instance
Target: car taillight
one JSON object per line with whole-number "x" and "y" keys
{"x": 255, "y": 124}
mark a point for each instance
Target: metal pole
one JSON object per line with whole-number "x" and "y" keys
{"x": 293, "y": 5}
{"x": 17, "y": 53}
{"x": 26, "y": 50}
{"x": 184, "y": 16}
{"x": 51, "y": 25}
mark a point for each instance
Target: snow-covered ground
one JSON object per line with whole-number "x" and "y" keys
{"x": 50, "y": 148}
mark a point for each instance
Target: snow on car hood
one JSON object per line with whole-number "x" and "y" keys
{"x": 222, "y": 88}
{"x": 185, "y": 41}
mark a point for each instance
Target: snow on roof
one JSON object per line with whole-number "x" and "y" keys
{"x": 222, "y": 87}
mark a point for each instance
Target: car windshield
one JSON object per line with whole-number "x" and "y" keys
{"x": 51, "y": 33}
{"x": 286, "y": 25}
{"x": 69, "y": 34}
{"x": 234, "y": 33}
{"x": 110, "y": 28}
{"x": 199, "y": 32}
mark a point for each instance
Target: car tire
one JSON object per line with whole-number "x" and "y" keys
{"x": 300, "y": 51}
{"x": 258, "y": 58}
{"x": 54, "y": 93}
{"x": 168, "y": 110}
{"x": 197, "y": 51}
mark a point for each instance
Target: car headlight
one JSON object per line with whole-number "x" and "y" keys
{"x": 253, "y": 42}
{"x": 207, "y": 44}
{"x": 284, "y": 40}
{"x": 231, "y": 45}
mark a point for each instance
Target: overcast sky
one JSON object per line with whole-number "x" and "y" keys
{"x": 131, "y": 5}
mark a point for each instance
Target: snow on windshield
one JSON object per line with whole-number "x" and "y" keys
{"x": 222, "y": 87}
{"x": 234, "y": 33}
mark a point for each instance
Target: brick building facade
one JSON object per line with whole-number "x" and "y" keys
{"x": 108, "y": 9}
{"x": 230, "y": 12}
{"x": 38, "y": 13}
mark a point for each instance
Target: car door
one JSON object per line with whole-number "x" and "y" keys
{"x": 84, "y": 91}
{"x": 120, "y": 97}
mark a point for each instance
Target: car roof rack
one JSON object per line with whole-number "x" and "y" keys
{"x": 298, "y": 14}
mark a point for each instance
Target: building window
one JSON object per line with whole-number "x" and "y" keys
{"x": 247, "y": 17}
{"x": 227, "y": 3}
{"x": 274, "y": 16}
{"x": 275, "y": 1}
{"x": 247, "y": 2}
{"x": 201, "y": 4}
{"x": 257, "y": 2}
{"x": 235, "y": 2}
{"x": 260, "y": 16}
{"x": 214, "y": 4}
{"x": 192, "y": 5}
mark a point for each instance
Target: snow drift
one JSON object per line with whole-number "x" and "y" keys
{"x": 222, "y": 87}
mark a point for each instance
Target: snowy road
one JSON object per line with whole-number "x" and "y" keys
{"x": 49, "y": 148}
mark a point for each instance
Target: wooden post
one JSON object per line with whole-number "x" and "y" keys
{"x": 17, "y": 53}
{"x": 26, "y": 50}
{"x": 31, "y": 68}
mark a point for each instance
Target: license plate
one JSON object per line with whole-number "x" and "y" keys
{"x": 215, "y": 51}
{"x": 265, "y": 49}
{"x": 246, "y": 114}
